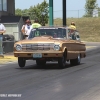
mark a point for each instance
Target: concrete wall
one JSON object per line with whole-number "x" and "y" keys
{"x": 15, "y": 29}
{"x": 12, "y": 29}
{"x": 10, "y": 8}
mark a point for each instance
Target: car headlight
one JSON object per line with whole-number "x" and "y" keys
{"x": 18, "y": 47}
{"x": 56, "y": 47}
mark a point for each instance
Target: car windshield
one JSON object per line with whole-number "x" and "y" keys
{"x": 54, "y": 32}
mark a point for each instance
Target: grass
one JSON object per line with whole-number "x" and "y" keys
{"x": 89, "y": 28}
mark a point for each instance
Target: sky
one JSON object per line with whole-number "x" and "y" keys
{"x": 75, "y": 8}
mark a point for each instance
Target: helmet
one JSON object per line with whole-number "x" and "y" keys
{"x": 72, "y": 23}
{"x": 36, "y": 20}
{"x": 28, "y": 21}
{"x": 72, "y": 27}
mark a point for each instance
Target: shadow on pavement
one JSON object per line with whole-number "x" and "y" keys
{"x": 48, "y": 66}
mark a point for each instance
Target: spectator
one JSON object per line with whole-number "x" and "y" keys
{"x": 72, "y": 24}
{"x": 26, "y": 29}
{"x": 2, "y": 31}
{"x": 72, "y": 30}
{"x": 36, "y": 24}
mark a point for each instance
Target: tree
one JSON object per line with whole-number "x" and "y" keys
{"x": 99, "y": 11}
{"x": 39, "y": 11}
{"x": 25, "y": 12}
{"x": 89, "y": 7}
{"x": 18, "y": 12}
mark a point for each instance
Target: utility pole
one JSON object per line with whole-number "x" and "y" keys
{"x": 64, "y": 12}
{"x": 50, "y": 12}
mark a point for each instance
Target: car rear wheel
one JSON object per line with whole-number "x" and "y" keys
{"x": 40, "y": 62}
{"x": 76, "y": 61}
{"x": 21, "y": 62}
{"x": 62, "y": 61}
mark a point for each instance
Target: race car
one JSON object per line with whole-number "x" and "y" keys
{"x": 50, "y": 44}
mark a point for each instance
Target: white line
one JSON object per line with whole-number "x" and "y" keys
{"x": 8, "y": 63}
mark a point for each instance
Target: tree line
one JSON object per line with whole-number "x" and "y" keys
{"x": 41, "y": 11}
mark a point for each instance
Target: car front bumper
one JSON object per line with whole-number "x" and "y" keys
{"x": 54, "y": 54}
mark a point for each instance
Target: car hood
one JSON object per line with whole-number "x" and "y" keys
{"x": 41, "y": 39}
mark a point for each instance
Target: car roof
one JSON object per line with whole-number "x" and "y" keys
{"x": 52, "y": 27}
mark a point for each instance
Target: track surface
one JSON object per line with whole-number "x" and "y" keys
{"x": 72, "y": 83}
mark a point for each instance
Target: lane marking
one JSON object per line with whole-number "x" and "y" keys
{"x": 9, "y": 63}
{"x": 8, "y": 59}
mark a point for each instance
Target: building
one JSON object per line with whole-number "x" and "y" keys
{"x": 7, "y": 7}
{"x": 12, "y": 22}
{"x": 13, "y": 25}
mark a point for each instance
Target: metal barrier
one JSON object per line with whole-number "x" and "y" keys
{"x": 9, "y": 40}
{"x": 8, "y": 46}
{"x": 18, "y": 36}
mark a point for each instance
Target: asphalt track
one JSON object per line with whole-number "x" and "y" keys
{"x": 80, "y": 82}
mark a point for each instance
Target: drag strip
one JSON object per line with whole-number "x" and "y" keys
{"x": 72, "y": 83}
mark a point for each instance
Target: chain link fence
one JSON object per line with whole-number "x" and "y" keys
{"x": 78, "y": 13}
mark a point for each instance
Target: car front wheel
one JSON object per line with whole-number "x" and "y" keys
{"x": 62, "y": 61}
{"x": 21, "y": 62}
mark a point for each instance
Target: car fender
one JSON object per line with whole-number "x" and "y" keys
{"x": 64, "y": 49}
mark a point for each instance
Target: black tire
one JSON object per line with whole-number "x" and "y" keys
{"x": 40, "y": 62}
{"x": 21, "y": 62}
{"x": 76, "y": 61}
{"x": 62, "y": 61}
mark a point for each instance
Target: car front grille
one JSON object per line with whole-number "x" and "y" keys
{"x": 37, "y": 46}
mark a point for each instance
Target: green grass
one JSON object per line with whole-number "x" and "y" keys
{"x": 89, "y": 28}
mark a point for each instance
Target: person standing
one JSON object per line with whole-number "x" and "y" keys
{"x": 2, "y": 31}
{"x": 36, "y": 24}
{"x": 73, "y": 34}
{"x": 26, "y": 29}
{"x": 73, "y": 23}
